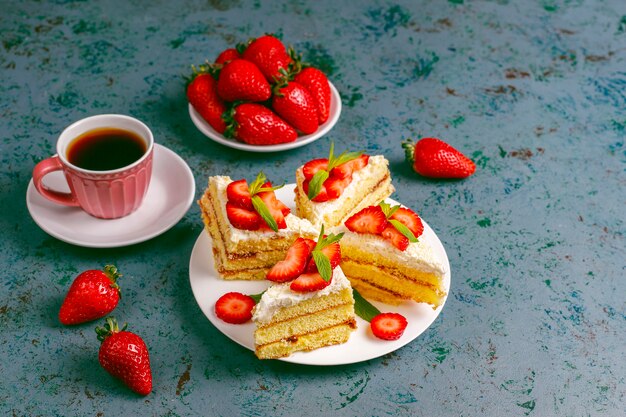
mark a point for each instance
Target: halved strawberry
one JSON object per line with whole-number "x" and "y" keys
{"x": 410, "y": 219}
{"x": 332, "y": 252}
{"x": 347, "y": 168}
{"x": 242, "y": 218}
{"x": 238, "y": 193}
{"x": 388, "y": 326}
{"x": 270, "y": 200}
{"x": 335, "y": 186}
{"x": 396, "y": 238}
{"x": 310, "y": 168}
{"x": 234, "y": 307}
{"x": 310, "y": 281}
{"x": 369, "y": 220}
{"x": 294, "y": 263}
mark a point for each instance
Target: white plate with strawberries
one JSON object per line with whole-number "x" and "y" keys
{"x": 208, "y": 287}
{"x": 324, "y": 128}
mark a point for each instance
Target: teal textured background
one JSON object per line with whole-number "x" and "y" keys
{"x": 533, "y": 91}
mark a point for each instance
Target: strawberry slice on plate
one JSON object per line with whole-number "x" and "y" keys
{"x": 371, "y": 219}
{"x": 310, "y": 281}
{"x": 294, "y": 263}
{"x": 388, "y": 326}
{"x": 234, "y": 307}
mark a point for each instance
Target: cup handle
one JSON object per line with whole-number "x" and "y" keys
{"x": 42, "y": 169}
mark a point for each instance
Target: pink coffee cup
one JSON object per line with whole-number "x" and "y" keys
{"x": 106, "y": 193}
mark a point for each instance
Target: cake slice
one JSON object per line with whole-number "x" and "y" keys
{"x": 309, "y": 307}
{"x": 250, "y": 228}
{"x": 385, "y": 259}
{"x": 328, "y": 191}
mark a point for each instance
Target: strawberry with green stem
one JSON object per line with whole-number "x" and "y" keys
{"x": 92, "y": 295}
{"x": 269, "y": 54}
{"x": 202, "y": 95}
{"x": 125, "y": 355}
{"x": 255, "y": 124}
{"x": 241, "y": 80}
{"x": 434, "y": 158}
{"x": 295, "y": 104}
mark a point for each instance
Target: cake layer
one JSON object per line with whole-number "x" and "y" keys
{"x": 390, "y": 285}
{"x": 369, "y": 186}
{"x": 325, "y": 337}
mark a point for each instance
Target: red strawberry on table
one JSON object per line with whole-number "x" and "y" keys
{"x": 242, "y": 80}
{"x": 92, "y": 295}
{"x": 234, "y": 307}
{"x": 432, "y": 157}
{"x": 125, "y": 355}
{"x": 256, "y": 124}
{"x": 388, "y": 326}
{"x": 293, "y": 102}
{"x": 202, "y": 94}
{"x": 294, "y": 263}
{"x": 269, "y": 54}
{"x": 316, "y": 82}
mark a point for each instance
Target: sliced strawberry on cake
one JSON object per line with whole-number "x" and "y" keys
{"x": 329, "y": 190}
{"x": 310, "y": 305}
{"x": 250, "y": 228}
{"x": 385, "y": 259}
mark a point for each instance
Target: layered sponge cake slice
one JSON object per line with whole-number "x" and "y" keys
{"x": 329, "y": 190}
{"x": 311, "y": 304}
{"x": 385, "y": 258}
{"x": 250, "y": 228}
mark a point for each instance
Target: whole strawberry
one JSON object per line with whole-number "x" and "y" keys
{"x": 255, "y": 124}
{"x": 92, "y": 295}
{"x": 269, "y": 54}
{"x": 202, "y": 94}
{"x": 293, "y": 102}
{"x": 433, "y": 158}
{"x": 124, "y": 355}
{"x": 227, "y": 55}
{"x": 316, "y": 82}
{"x": 242, "y": 80}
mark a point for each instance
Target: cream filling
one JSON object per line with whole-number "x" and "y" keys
{"x": 280, "y": 296}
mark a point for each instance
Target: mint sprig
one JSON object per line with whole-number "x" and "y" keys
{"x": 321, "y": 260}
{"x": 259, "y": 205}
{"x": 315, "y": 185}
{"x": 256, "y": 297}
{"x": 364, "y": 308}
{"x": 389, "y": 210}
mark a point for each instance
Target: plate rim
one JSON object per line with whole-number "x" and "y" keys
{"x": 326, "y": 127}
{"x": 203, "y": 245}
{"x": 163, "y": 150}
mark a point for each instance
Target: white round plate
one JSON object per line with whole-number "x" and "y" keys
{"x": 335, "y": 111}
{"x": 207, "y": 287}
{"x": 169, "y": 196}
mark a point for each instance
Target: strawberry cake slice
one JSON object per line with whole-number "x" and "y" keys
{"x": 311, "y": 304}
{"x": 250, "y": 228}
{"x": 329, "y": 190}
{"x": 385, "y": 259}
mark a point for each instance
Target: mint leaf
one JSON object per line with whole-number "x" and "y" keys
{"x": 404, "y": 230}
{"x": 387, "y": 209}
{"x": 264, "y": 212}
{"x": 256, "y": 297}
{"x": 323, "y": 264}
{"x": 256, "y": 185}
{"x": 364, "y": 308}
{"x": 315, "y": 185}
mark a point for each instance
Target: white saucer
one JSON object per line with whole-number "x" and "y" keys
{"x": 170, "y": 194}
{"x": 335, "y": 111}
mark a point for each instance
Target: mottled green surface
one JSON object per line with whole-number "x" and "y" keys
{"x": 534, "y": 91}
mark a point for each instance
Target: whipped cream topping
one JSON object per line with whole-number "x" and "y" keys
{"x": 376, "y": 166}
{"x": 419, "y": 253}
{"x": 280, "y": 295}
{"x": 294, "y": 223}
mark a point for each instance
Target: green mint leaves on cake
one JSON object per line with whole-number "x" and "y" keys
{"x": 327, "y": 253}
{"x": 400, "y": 227}
{"x": 255, "y": 206}
{"x": 326, "y": 178}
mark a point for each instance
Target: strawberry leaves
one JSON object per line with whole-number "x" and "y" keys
{"x": 315, "y": 186}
